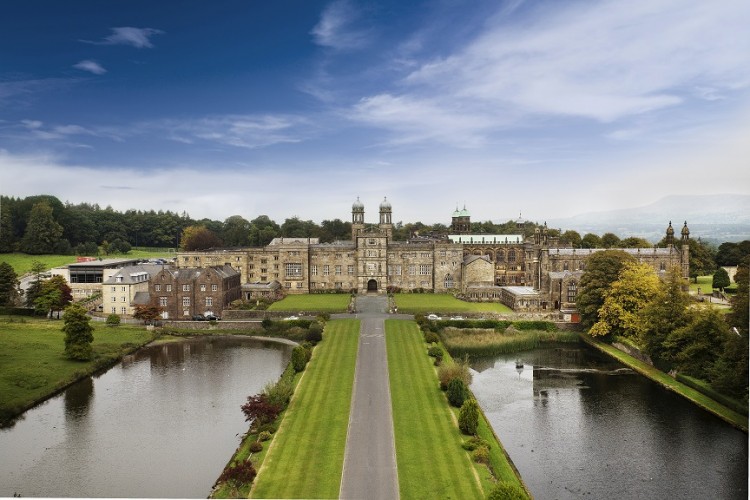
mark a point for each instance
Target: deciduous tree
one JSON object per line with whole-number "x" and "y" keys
{"x": 624, "y": 302}
{"x": 693, "y": 348}
{"x": 55, "y": 295}
{"x": 199, "y": 238}
{"x": 591, "y": 240}
{"x": 610, "y": 240}
{"x": 720, "y": 279}
{"x": 147, "y": 312}
{"x": 602, "y": 269}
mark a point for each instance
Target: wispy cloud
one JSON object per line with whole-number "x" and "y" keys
{"x": 127, "y": 35}
{"x": 17, "y": 90}
{"x": 242, "y": 131}
{"x": 90, "y": 66}
{"x": 605, "y": 62}
{"x": 338, "y": 28}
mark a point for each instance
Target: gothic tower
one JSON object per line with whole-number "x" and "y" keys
{"x": 461, "y": 221}
{"x": 670, "y": 236}
{"x": 685, "y": 258}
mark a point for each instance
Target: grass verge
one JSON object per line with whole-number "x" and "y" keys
{"x": 431, "y": 462}
{"x": 705, "y": 402}
{"x": 306, "y": 456}
{"x": 324, "y": 302}
{"x": 34, "y": 366}
{"x": 443, "y": 303}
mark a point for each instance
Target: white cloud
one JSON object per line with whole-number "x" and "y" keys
{"x": 336, "y": 28}
{"x": 90, "y": 66}
{"x": 127, "y": 35}
{"x": 604, "y": 62}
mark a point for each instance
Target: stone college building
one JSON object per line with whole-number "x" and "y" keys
{"x": 533, "y": 274}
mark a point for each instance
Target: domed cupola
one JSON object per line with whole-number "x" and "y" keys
{"x": 385, "y": 213}
{"x": 669, "y": 240}
{"x": 685, "y": 233}
{"x": 385, "y": 205}
{"x": 358, "y": 212}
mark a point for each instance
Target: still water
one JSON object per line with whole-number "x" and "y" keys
{"x": 162, "y": 423}
{"x": 579, "y": 425}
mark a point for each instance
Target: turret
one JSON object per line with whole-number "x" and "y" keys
{"x": 685, "y": 256}
{"x": 670, "y": 235}
{"x": 358, "y": 218}
{"x": 386, "y": 224}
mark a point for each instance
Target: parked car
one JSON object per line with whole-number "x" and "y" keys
{"x": 434, "y": 317}
{"x": 212, "y": 317}
{"x": 199, "y": 317}
{"x": 291, "y": 318}
{"x": 457, "y": 318}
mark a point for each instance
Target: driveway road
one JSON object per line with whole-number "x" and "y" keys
{"x": 370, "y": 459}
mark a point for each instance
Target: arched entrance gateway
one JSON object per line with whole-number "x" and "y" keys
{"x": 372, "y": 286}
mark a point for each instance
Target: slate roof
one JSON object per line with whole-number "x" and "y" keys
{"x": 471, "y": 258}
{"x": 141, "y": 298}
{"x": 128, "y": 274}
{"x": 632, "y": 251}
{"x": 520, "y": 290}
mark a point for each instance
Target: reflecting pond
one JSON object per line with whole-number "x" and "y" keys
{"x": 162, "y": 423}
{"x": 579, "y": 425}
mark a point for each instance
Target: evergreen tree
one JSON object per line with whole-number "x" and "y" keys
{"x": 42, "y": 231}
{"x": 7, "y": 235}
{"x": 79, "y": 334}
{"x": 8, "y": 285}
{"x": 693, "y": 348}
{"x": 468, "y": 417}
{"x": 35, "y": 287}
{"x": 667, "y": 311}
{"x": 740, "y": 316}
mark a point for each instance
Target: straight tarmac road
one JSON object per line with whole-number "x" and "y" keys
{"x": 370, "y": 459}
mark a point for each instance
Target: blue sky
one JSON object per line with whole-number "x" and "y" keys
{"x": 295, "y": 108}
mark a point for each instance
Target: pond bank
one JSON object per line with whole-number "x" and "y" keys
{"x": 728, "y": 415}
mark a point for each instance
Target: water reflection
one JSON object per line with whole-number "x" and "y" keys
{"x": 578, "y": 424}
{"x": 161, "y": 424}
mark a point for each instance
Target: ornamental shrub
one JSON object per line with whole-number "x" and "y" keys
{"x": 113, "y": 320}
{"x": 431, "y": 337}
{"x": 238, "y": 474}
{"x": 255, "y": 446}
{"x": 481, "y": 455}
{"x": 270, "y": 428}
{"x": 264, "y": 436}
{"x": 299, "y": 358}
{"x": 314, "y": 333}
{"x": 468, "y": 417}
{"x": 457, "y": 392}
{"x": 266, "y": 323}
{"x": 451, "y": 371}
{"x": 473, "y": 443}
{"x": 435, "y": 352}
{"x": 259, "y": 410}
{"x": 506, "y": 491}
{"x": 280, "y": 393}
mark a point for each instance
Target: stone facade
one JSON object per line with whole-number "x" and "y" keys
{"x": 185, "y": 292}
{"x": 477, "y": 266}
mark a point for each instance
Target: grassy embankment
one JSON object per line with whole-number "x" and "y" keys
{"x": 306, "y": 455}
{"x": 323, "y": 302}
{"x": 665, "y": 380}
{"x": 34, "y": 366}
{"x": 21, "y": 262}
{"x": 443, "y": 303}
{"x": 431, "y": 461}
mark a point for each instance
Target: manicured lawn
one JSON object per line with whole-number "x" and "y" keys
{"x": 306, "y": 456}
{"x": 21, "y": 262}
{"x": 329, "y": 302}
{"x": 441, "y": 303}
{"x": 734, "y": 418}
{"x": 32, "y": 360}
{"x": 431, "y": 462}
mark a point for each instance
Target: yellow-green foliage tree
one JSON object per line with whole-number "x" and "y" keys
{"x": 667, "y": 311}
{"x": 620, "y": 315}
{"x": 199, "y": 238}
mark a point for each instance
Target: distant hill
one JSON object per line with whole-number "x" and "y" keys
{"x": 714, "y": 218}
